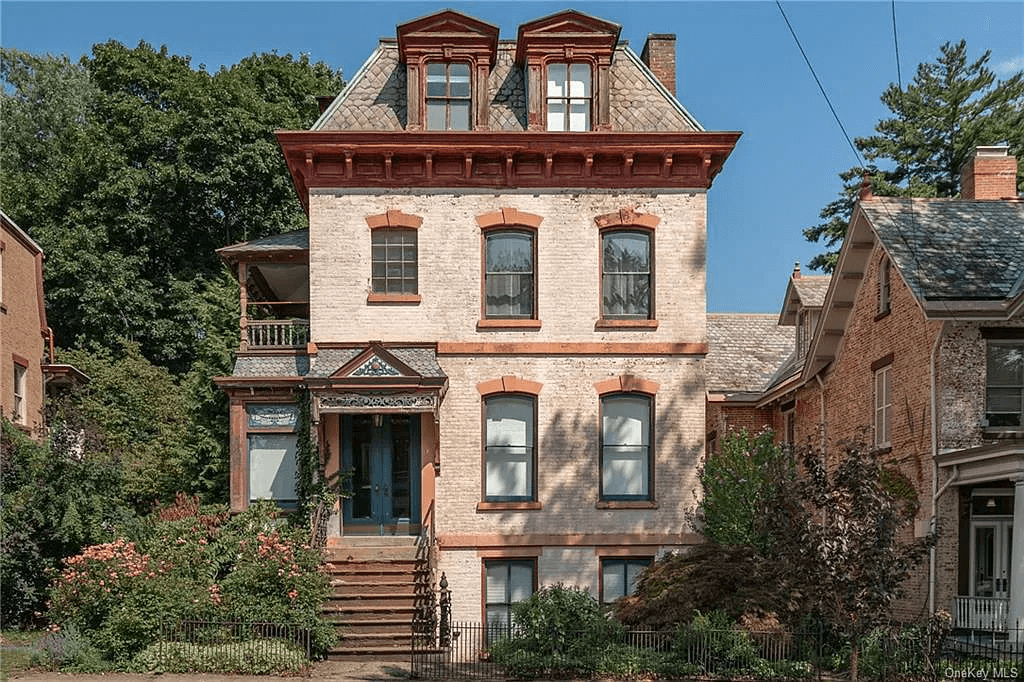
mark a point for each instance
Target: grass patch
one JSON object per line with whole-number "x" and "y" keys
{"x": 16, "y": 647}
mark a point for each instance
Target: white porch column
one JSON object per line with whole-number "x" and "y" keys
{"x": 1015, "y": 617}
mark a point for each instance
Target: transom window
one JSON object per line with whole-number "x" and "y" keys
{"x": 20, "y": 387}
{"x": 1004, "y": 395}
{"x": 883, "y": 406}
{"x": 273, "y": 444}
{"x": 507, "y": 582}
{"x": 626, "y": 471}
{"x": 619, "y": 576}
{"x": 448, "y": 96}
{"x": 509, "y": 275}
{"x": 510, "y": 441}
{"x": 626, "y": 275}
{"x": 569, "y": 97}
{"x": 394, "y": 261}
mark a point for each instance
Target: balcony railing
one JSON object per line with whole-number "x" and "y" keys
{"x": 980, "y": 613}
{"x": 277, "y": 333}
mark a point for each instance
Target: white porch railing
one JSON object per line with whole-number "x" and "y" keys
{"x": 980, "y": 613}
{"x": 277, "y": 333}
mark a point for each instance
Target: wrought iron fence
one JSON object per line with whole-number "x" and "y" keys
{"x": 476, "y": 651}
{"x": 231, "y": 646}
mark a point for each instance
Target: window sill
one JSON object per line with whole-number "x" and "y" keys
{"x": 883, "y": 315}
{"x": 883, "y": 449}
{"x": 626, "y": 324}
{"x": 1006, "y": 433}
{"x": 530, "y": 505}
{"x": 626, "y": 504}
{"x": 508, "y": 324}
{"x": 393, "y": 299}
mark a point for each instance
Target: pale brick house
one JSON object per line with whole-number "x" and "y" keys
{"x": 917, "y": 343}
{"x": 498, "y": 308}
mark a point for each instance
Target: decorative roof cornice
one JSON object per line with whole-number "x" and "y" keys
{"x": 465, "y": 159}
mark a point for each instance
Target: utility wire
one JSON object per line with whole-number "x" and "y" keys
{"x": 820, "y": 86}
{"x": 896, "y": 43}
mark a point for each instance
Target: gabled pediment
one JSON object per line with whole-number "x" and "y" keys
{"x": 444, "y": 32}
{"x": 375, "y": 362}
{"x": 568, "y": 22}
{"x": 567, "y": 32}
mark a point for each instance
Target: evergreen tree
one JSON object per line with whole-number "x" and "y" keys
{"x": 951, "y": 106}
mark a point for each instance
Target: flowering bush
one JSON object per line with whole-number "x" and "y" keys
{"x": 196, "y": 564}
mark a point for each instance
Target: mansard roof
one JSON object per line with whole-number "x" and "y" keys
{"x": 375, "y": 97}
{"x": 744, "y": 352}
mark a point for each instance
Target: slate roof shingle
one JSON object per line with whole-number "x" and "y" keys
{"x": 375, "y": 97}
{"x": 953, "y": 249}
{"x": 745, "y": 351}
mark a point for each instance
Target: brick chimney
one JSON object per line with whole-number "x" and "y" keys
{"x": 990, "y": 174}
{"x": 659, "y": 54}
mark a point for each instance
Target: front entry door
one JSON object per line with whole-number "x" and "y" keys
{"x": 991, "y": 554}
{"x": 380, "y": 451}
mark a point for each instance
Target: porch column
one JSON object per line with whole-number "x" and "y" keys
{"x": 1015, "y": 617}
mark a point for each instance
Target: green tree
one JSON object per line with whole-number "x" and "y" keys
{"x": 736, "y": 483}
{"x": 132, "y": 167}
{"x": 951, "y": 106}
{"x": 56, "y": 499}
{"x": 141, "y": 415}
{"x": 845, "y": 534}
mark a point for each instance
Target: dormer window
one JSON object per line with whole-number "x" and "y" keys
{"x": 449, "y": 96}
{"x": 569, "y": 99}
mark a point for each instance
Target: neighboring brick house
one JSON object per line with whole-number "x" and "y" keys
{"x": 918, "y": 345}
{"x": 745, "y": 351}
{"x": 27, "y": 373}
{"x": 23, "y": 329}
{"x": 498, "y": 308}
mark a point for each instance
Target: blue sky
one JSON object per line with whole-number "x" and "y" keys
{"x": 738, "y": 69}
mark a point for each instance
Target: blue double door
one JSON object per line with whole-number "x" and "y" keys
{"x": 381, "y": 451}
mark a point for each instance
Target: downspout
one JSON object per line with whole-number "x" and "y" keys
{"x": 821, "y": 411}
{"x": 936, "y": 491}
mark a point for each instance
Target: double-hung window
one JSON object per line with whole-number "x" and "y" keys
{"x": 273, "y": 444}
{"x": 626, "y": 260}
{"x": 619, "y": 576}
{"x": 883, "y": 406}
{"x": 1004, "y": 394}
{"x": 884, "y": 286}
{"x": 509, "y": 275}
{"x": 449, "y": 99}
{"x": 507, "y": 582}
{"x": 626, "y": 453}
{"x": 20, "y": 388}
{"x": 510, "y": 447}
{"x": 393, "y": 261}
{"x": 569, "y": 98}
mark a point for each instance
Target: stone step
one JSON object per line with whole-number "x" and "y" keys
{"x": 387, "y": 624}
{"x": 350, "y": 608}
{"x": 377, "y": 565}
{"x": 386, "y": 601}
{"x": 363, "y": 653}
{"x": 372, "y": 541}
{"x": 371, "y": 553}
{"x": 371, "y": 585}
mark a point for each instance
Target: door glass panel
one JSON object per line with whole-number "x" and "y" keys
{"x": 362, "y": 467}
{"x": 984, "y": 559}
{"x": 401, "y": 481}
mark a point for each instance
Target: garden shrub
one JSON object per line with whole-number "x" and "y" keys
{"x": 557, "y": 629}
{"x": 192, "y": 563}
{"x": 67, "y": 650}
{"x": 254, "y": 657}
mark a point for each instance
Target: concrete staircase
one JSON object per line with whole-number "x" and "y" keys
{"x": 374, "y": 600}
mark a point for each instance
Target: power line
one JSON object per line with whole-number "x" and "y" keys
{"x": 820, "y": 86}
{"x": 896, "y": 43}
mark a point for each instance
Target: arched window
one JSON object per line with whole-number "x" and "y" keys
{"x": 627, "y": 260}
{"x": 627, "y": 471}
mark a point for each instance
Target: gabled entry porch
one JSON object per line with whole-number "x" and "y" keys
{"x": 990, "y": 480}
{"x": 377, "y": 410}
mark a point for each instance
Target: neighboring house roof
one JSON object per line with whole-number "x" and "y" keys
{"x": 744, "y": 352}
{"x": 296, "y": 242}
{"x": 375, "y": 98}
{"x": 950, "y": 249}
{"x": 803, "y": 291}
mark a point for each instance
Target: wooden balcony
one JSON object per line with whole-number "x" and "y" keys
{"x": 980, "y": 613}
{"x": 275, "y": 334}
